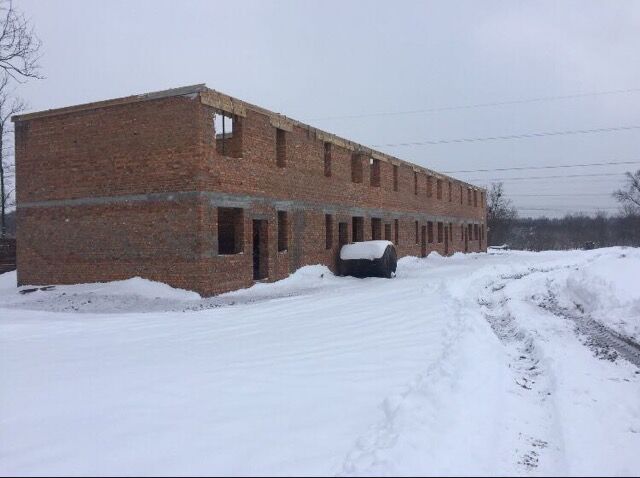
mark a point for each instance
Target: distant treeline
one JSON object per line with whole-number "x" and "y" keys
{"x": 569, "y": 232}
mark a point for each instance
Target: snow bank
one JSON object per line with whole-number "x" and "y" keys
{"x": 606, "y": 288}
{"x": 135, "y": 286}
{"x": 8, "y": 282}
{"x": 130, "y": 295}
{"x": 304, "y": 279}
{"x": 364, "y": 250}
{"x": 145, "y": 296}
{"x": 138, "y": 286}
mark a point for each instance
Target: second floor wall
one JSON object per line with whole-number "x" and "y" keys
{"x": 177, "y": 143}
{"x": 258, "y": 158}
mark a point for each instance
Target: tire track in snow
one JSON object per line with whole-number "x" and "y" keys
{"x": 590, "y": 423}
{"x": 605, "y": 343}
{"x": 373, "y": 452}
{"x": 528, "y": 363}
{"x": 533, "y": 380}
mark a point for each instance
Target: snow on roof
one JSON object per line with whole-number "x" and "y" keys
{"x": 364, "y": 250}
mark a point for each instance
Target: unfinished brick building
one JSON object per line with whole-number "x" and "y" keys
{"x": 206, "y": 192}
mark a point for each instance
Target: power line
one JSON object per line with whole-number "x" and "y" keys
{"x": 600, "y": 205}
{"x": 576, "y": 208}
{"x": 585, "y": 183}
{"x": 477, "y": 105}
{"x": 521, "y": 168}
{"x": 565, "y": 206}
{"x": 523, "y": 178}
{"x": 560, "y": 195}
{"x": 512, "y": 136}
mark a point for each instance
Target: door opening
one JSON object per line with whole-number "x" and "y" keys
{"x": 343, "y": 235}
{"x": 446, "y": 241}
{"x": 260, "y": 250}
{"x": 423, "y": 241}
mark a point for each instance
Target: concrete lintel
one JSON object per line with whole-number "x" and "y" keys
{"x": 223, "y": 103}
{"x": 281, "y": 122}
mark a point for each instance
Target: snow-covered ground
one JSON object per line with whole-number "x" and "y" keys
{"x": 473, "y": 364}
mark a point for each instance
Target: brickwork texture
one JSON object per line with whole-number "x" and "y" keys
{"x": 146, "y": 186}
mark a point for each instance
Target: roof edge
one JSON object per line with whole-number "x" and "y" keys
{"x": 181, "y": 91}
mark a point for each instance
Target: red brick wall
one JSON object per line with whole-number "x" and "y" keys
{"x": 128, "y": 149}
{"x": 133, "y": 189}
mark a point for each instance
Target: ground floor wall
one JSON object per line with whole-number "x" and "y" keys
{"x": 208, "y": 241}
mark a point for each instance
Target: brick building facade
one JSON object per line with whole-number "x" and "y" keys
{"x": 143, "y": 186}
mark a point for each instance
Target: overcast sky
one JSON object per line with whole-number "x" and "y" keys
{"x": 316, "y": 61}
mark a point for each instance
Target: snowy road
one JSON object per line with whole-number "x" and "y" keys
{"x": 476, "y": 364}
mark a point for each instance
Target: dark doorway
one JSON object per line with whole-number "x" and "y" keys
{"x": 376, "y": 228}
{"x": 357, "y": 229}
{"x": 343, "y": 234}
{"x": 451, "y": 234}
{"x": 423, "y": 242}
{"x": 466, "y": 240}
{"x": 260, "y": 250}
{"x": 446, "y": 241}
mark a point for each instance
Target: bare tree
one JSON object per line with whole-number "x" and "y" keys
{"x": 629, "y": 196}
{"x": 500, "y": 214}
{"x": 19, "y": 45}
{"x": 19, "y": 55}
{"x": 9, "y": 106}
